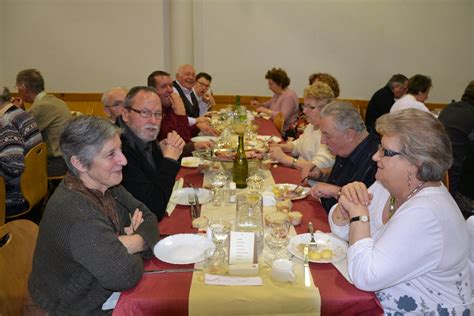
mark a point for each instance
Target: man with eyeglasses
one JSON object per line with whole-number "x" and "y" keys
{"x": 152, "y": 166}
{"x": 345, "y": 135}
{"x": 174, "y": 113}
{"x": 203, "y": 93}
{"x": 112, "y": 100}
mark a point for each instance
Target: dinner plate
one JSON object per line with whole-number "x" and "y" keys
{"x": 267, "y": 138}
{"x": 182, "y": 248}
{"x": 181, "y": 196}
{"x": 289, "y": 187}
{"x": 191, "y": 162}
{"x": 324, "y": 241}
{"x": 204, "y": 139}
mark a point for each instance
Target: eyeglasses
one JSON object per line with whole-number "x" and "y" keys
{"x": 308, "y": 107}
{"x": 147, "y": 113}
{"x": 387, "y": 152}
{"x": 115, "y": 104}
{"x": 204, "y": 84}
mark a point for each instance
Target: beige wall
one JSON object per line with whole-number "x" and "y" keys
{"x": 90, "y": 45}
{"x": 83, "y": 45}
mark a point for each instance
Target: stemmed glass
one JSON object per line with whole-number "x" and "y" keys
{"x": 218, "y": 182}
{"x": 277, "y": 239}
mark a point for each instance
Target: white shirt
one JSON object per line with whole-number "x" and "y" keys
{"x": 187, "y": 93}
{"x": 308, "y": 147}
{"x": 408, "y": 101}
{"x": 418, "y": 261}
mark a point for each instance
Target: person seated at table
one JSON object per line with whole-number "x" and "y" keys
{"x": 203, "y": 93}
{"x": 284, "y": 99}
{"x": 464, "y": 195}
{"x": 18, "y": 134}
{"x": 174, "y": 113}
{"x": 307, "y": 151}
{"x": 344, "y": 133}
{"x": 112, "y": 100}
{"x": 417, "y": 92}
{"x": 50, "y": 113}
{"x": 152, "y": 166}
{"x": 458, "y": 120}
{"x": 327, "y": 79}
{"x": 383, "y": 99}
{"x": 94, "y": 235}
{"x": 408, "y": 241}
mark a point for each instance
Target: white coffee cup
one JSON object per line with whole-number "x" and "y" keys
{"x": 282, "y": 270}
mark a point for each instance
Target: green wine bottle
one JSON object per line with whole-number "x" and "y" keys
{"x": 237, "y": 103}
{"x": 240, "y": 169}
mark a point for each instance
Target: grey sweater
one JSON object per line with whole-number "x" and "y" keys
{"x": 78, "y": 260}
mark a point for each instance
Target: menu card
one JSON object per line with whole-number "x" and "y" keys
{"x": 242, "y": 248}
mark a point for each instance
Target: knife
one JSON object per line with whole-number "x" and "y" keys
{"x": 307, "y": 280}
{"x": 157, "y": 271}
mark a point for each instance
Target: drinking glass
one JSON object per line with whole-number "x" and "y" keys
{"x": 255, "y": 183}
{"x": 216, "y": 261}
{"x": 277, "y": 239}
{"x": 218, "y": 182}
{"x": 220, "y": 232}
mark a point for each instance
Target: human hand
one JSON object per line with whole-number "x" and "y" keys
{"x": 134, "y": 243}
{"x": 202, "y": 145}
{"x": 340, "y": 216}
{"x": 276, "y": 153}
{"x": 357, "y": 192}
{"x": 203, "y": 119}
{"x": 254, "y": 102}
{"x": 206, "y": 129}
{"x": 324, "y": 190}
{"x": 351, "y": 208}
{"x": 310, "y": 171}
{"x": 262, "y": 109}
{"x": 172, "y": 146}
{"x": 135, "y": 222}
{"x": 18, "y": 102}
{"x": 177, "y": 104}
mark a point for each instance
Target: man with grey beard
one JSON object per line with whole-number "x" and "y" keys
{"x": 152, "y": 166}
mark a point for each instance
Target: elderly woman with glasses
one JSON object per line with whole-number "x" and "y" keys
{"x": 307, "y": 151}
{"x": 408, "y": 240}
{"x": 94, "y": 235}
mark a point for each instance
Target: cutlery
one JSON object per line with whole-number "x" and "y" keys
{"x": 197, "y": 205}
{"x": 192, "y": 207}
{"x": 312, "y": 242}
{"x": 307, "y": 280}
{"x": 158, "y": 271}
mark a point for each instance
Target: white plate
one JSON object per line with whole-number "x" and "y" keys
{"x": 181, "y": 196}
{"x": 191, "y": 162}
{"x": 267, "y": 138}
{"x": 204, "y": 139}
{"x": 289, "y": 187}
{"x": 182, "y": 248}
{"x": 325, "y": 241}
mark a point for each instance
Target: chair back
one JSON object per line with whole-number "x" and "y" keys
{"x": 279, "y": 121}
{"x": 34, "y": 180}
{"x": 17, "y": 245}
{"x": 2, "y": 201}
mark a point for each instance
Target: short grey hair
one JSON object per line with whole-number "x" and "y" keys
{"x": 5, "y": 94}
{"x": 423, "y": 139}
{"x": 345, "y": 116}
{"x": 105, "y": 97}
{"x": 84, "y": 137}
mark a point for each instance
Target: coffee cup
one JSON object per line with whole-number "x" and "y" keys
{"x": 282, "y": 271}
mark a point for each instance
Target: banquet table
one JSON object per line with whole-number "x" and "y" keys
{"x": 168, "y": 293}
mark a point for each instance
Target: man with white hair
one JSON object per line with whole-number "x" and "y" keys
{"x": 113, "y": 100}
{"x": 152, "y": 167}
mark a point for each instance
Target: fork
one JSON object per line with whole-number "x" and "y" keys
{"x": 192, "y": 203}
{"x": 312, "y": 242}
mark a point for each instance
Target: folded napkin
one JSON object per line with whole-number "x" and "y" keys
{"x": 111, "y": 301}
{"x": 178, "y": 185}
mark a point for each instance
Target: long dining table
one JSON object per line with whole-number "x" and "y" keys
{"x": 168, "y": 293}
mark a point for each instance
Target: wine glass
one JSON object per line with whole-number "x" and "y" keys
{"x": 219, "y": 180}
{"x": 220, "y": 231}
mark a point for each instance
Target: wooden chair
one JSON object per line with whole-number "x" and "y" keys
{"x": 33, "y": 181}
{"x": 279, "y": 121}
{"x": 2, "y": 201}
{"x": 17, "y": 244}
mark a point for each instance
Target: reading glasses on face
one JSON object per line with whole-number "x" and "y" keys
{"x": 387, "y": 152}
{"x": 115, "y": 104}
{"x": 147, "y": 114}
{"x": 203, "y": 84}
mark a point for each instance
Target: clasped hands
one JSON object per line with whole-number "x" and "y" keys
{"x": 172, "y": 146}
{"x": 354, "y": 199}
{"x": 133, "y": 242}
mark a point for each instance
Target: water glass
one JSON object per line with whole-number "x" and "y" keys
{"x": 216, "y": 261}
{"x": 219, "y": 232}
{"x": 255, "y": 183}
{"x": 277, "y": 239}
{"x": 218, "y": 182}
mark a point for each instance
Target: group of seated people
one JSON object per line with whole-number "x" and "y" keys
{"x": 380, "y": 182}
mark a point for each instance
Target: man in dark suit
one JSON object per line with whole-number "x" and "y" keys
{"x": 382, "y": 100}
{"x": 152, "y": 167}
{"x": 184, "y": 83}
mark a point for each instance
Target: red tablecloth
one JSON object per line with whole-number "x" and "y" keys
{"x": 167, "y": 294}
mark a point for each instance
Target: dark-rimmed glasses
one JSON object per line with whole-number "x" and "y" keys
{"x": 383, "y": 152}
{"x": 147, "y": 113}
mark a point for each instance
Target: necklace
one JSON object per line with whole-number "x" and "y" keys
{"x": 393, "y": 200}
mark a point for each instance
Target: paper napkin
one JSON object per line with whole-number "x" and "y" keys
{"x": 172, "y": 202}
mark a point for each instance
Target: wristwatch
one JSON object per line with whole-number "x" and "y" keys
{"x": 362, "y": 218}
